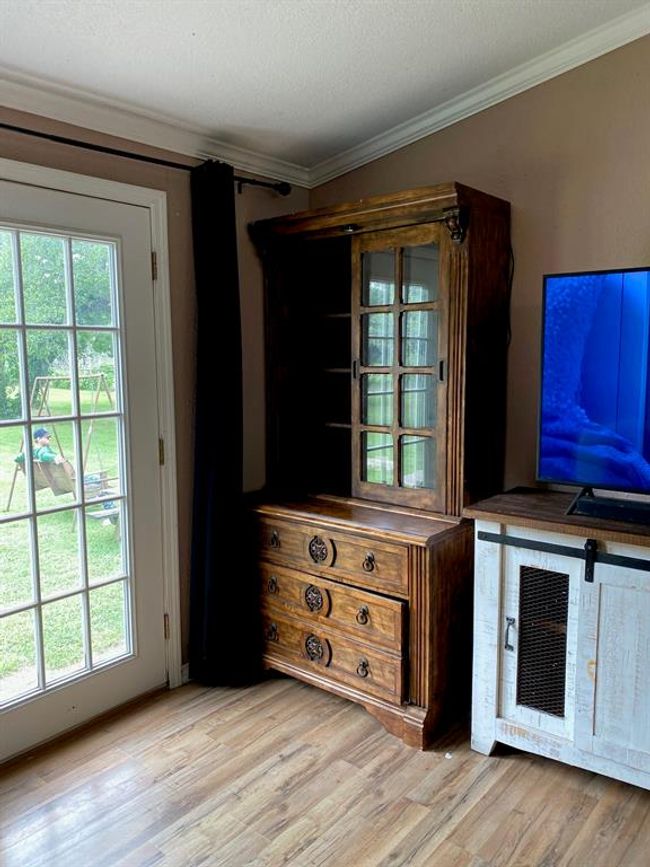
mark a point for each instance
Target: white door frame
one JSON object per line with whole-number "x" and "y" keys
{"x": 156, "y": 202}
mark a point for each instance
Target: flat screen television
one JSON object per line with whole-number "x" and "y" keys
{"x": 594, "y": 412}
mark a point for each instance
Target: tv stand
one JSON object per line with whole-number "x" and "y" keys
{"x": 561, "y": 634}
{"x": 609, "y": 508}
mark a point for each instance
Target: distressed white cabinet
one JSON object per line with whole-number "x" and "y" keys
{"x": 562, "y": 635}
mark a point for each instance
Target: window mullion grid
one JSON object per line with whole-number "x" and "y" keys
{"x": 397, "y": 360}
{"x": 80, "y": 456}
{"x": 125, "y": 479}
{"x": 29, "y": 469}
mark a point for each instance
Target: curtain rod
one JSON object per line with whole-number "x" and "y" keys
{"x": 280, "y": 187}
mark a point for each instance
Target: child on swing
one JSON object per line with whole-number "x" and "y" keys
{"x": 42, "y": 450}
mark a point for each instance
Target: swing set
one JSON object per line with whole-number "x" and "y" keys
{"x": 61, "y": 477}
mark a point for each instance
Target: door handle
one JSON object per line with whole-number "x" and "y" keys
{"x": 510, "y": 622}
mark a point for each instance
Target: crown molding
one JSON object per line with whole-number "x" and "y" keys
{"x": 576, "y": 52}
{"x": 112, "y": 117}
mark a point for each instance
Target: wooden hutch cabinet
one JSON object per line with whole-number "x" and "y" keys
{"x": 386, "y": 338}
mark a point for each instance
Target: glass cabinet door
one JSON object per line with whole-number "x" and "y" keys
{"x": 398, "y": 317}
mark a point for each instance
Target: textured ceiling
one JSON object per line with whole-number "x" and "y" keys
{"x": 297, "y": 80}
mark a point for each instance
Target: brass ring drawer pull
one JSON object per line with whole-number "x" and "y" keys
{"x": 272, "y": 632}
{"x": 274, "y": 541}
{"x": 369, "y": 562}
{"x": 272, "y": 585}
{"x": 363, "y": 669}
{"x": 363, "y": 615}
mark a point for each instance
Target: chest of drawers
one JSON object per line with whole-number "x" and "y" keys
{"x": 369, "y": 603}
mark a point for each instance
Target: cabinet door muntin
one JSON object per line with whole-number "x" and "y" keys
{"x": 398, "y": 337}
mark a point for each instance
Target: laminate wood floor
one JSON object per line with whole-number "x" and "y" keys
{"x": 283, "y": 773}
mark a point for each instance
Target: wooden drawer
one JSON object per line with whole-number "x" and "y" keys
{"x": 367, "y": 562}
{"x": 320, "y": 650}
{"x": 366, "y": 617}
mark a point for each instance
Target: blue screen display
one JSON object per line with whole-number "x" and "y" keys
{"x": 595, "y": 397}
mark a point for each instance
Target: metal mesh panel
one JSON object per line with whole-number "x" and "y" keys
{"x": 541, "y": 669}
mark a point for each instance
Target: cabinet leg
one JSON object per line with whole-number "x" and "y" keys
{"x": 483, "y": 745}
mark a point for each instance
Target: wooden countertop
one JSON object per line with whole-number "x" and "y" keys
{"x": 395, "y": 523}
{"x": 530, "y": 507}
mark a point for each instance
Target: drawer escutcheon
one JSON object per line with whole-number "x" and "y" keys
{"x": 313, "y": 598}
{"x": 318, "y": 550}
{"x": 317, "y": 649}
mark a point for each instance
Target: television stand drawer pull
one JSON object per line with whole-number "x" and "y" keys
{"x": 272, "y": 585}
{"x": 363, "y": 669}
{"x": 369, "y": 562}
{"x": 272, "y": 632}
{"x": 510, "y": 622}
{"x": 274, "y": 541}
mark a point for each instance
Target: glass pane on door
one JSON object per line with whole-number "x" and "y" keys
{"x": 43, "y": 276}
{"x": 7, "y": 270}
{"x": 65, "y": 586}
{"x": 94, "y": 292}
{"x": 418, "y": 400}
{"x": 378, "y": 278}
{"x": 377, "y": 458}
{"x": 377, "y": 339}
{"x": 16, "y": 585}
{"x": 420, "y": 274}
{"x": 18, "y": 669}
{"x": 419, "y": 338}
{"x": 377, "y": 399}
{"x": 11, "y": 393}
{"x": 418, "y": 454}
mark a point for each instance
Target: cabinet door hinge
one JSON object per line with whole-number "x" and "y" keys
{"x": 161, "y": 451}
{"x": 166, "y": 626}
{"x": 154, "y": 266}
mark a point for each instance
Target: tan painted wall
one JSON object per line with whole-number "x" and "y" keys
{"x": 252, "y": 204}
{"x": 573, "y": 158}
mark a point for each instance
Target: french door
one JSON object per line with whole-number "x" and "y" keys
{"x": 81, "y": 557}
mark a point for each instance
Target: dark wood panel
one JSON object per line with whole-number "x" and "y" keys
{"x": 307, "y": 307}
{"x": 366, "y": 617}
{"x": 332, "y": 656}
{"x": 363, "y": 517}
{"x": 486, "y": 350}
{"x": 420, "y": 205}
{"x": 323, "y": 550}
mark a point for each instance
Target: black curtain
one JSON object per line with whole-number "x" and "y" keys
{"x": 222, "y": 645}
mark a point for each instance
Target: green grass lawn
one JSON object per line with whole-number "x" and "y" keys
{"x": 58, "y": 538}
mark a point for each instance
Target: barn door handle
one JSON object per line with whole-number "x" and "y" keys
{"x": 510, "y": 622}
